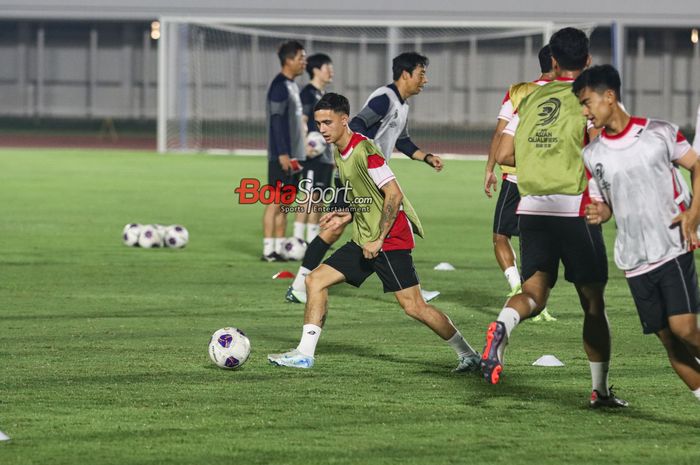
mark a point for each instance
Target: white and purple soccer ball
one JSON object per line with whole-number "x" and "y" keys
{"x": 130, "y": 234}
{"x": 176, "y": 236}
{"x": 229, "y": 348}
{"x": 149, "y": 237}
{"x": 161, "y": 229}
{"x": 315, "y": 144}
{"x": 293, "y": 248}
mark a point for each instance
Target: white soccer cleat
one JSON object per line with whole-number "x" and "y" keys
{"x": 468, "y": 363}
{"x": 294, "y": 296}
{"x": 292, "y": 359}
{"x": 429, "y": 295}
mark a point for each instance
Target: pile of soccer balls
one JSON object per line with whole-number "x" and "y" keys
{"x": 151, "y": 236}
{"x": 229, "y": 348}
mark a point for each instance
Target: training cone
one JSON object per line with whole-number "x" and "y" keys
{"x": 284, "y": 274}
{"x": 444, "y": 266}
{"x": 548, "y": 361}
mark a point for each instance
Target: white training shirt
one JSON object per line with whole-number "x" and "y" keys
{"x": 633, "y": 172}
{"x": 393, "y": 125}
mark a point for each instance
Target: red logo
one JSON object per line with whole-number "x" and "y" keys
{"x": 249, "y": 191}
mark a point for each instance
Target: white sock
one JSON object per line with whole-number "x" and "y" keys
{"x": 460, "y": 345}
{"x": 512, "y": 276}
{"x": 278, "y": 244}
{"x": 312, "y": 231}
{"x": 268, "y": 245}
{"x": 309, "y": 339}
{"x": 510, "y": 318}
{"x": 299, "y": 230}
{"x": 599, "y": 377}
{"x": 298, "y": 284}
{"x": 697, "y": 393}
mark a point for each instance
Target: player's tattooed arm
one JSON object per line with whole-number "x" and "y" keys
{"x": 392, "y": 202}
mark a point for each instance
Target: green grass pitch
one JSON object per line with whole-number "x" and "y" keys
{"x": 103, "y": 348}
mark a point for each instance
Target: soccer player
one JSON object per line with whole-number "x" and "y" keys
{"x": 382, "y": 240}
{"x": 383, "y": 118}
{"x": 545, "y": 137}
{"x": 633, "y": 176}
{"x": 285, "y": 144}
{"x": 505, "y": 218}
{"x": 319, "y": 169}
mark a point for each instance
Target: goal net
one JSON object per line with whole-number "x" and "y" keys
{"x": 214, "y": 78}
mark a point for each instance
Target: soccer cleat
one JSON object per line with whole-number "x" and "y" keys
{"x": 515, "y": 291}
{"x": 295, "y": 297}
{"x": 491, "y": 364}
{"x": 610, "y": 401}
{"x": 544, "y": 316}
{"x": 429, "y": 295}
{"x": 468, "y": 363}
{"x": 273, "y": 257}
{"x": 292, "y": 359}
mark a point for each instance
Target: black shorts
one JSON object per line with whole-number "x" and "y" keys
{"x": 394, "y": 268}
{"x": 671, "y": 289}
{"x": 547, "y": 240}
{"x": 505, "y": 220}
{"x": 275, "y": 173}
{"x": 320, "y": 173}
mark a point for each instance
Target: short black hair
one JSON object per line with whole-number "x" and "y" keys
{"x": 545, "y": 57}
{"x": 407, "y": 62}
{"x": 288, "y": 50}
{"x": 315, "y": 61}
{"x": 570, "y": 48}
{"x": 335, "y": 102}
{"x": 599, "y": 78}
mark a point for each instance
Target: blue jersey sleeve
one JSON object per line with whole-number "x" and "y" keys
{"x": 367, "y": 121}
{"x": 405, "y": 144}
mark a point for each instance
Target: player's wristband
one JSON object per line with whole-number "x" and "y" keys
{"x": 427, "y": 162}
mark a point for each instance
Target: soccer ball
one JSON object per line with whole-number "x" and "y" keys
{"x": 161, "y": 229}
{"x": 229, "y": 348}
{"x": 176, "y": 236}
{"x": 315, "y": 144}
{"x": 130, "y": 234}
{"x": 149, "y": 237}
{"x": 293, "y": 248}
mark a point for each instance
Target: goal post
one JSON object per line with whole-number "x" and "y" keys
{"x": 214, "y": 74}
